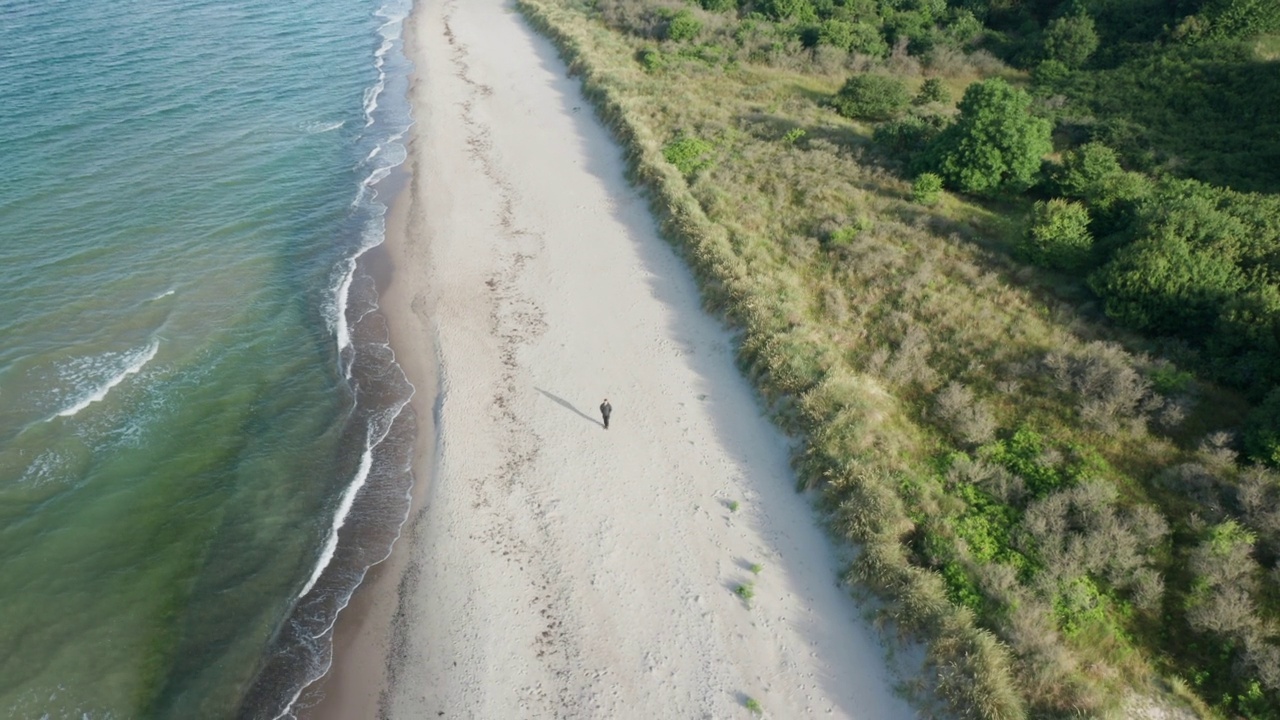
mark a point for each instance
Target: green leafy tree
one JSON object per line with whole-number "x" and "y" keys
{"x": 1059, "y": 235}
{"x": 871, "y": 97}
{"x": 996, "y": 144}
{"x": 927, "y": 189}
{"x": 1071, "y": 40}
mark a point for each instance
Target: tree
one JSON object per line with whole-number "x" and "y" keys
{"x": 1059, "y": 235}
{"x": 1071, "y": 40}
{"x": 871, "y": 97}
{"x": 996, "y": 144}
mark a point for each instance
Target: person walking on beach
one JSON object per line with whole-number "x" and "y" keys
{"x": 605, "y": 411}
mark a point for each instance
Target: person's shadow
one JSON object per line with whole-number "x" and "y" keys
{"x": 565, "y": 403}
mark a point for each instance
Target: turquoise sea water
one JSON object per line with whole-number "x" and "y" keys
{"x": 203, "y": 436}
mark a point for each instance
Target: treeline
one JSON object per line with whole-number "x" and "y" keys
{"x": 1061, "y": 518}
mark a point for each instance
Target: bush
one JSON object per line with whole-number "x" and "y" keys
{"x": 651, "y": 59}
{"x": 1088, "y": 173}
{"x": 1059, "y": 236}
{"x": 1049, "y": 77}
{"x": 909, "y": 136}
{"x": 871, "y": 97}
{"x": 927, "y": 189}
{"x": 688, "y": 153}
{"x": 964, "y": 416}
{"x": 682, "y": 26}
{"x": 866, "y": 39}
{"x": 719, "y": 6}
{"x": 930, "y": 92}
{"x": 1262, "y": 433}
{"x": 794, "y": 10}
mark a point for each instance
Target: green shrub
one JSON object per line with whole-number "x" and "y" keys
{"x": 866, "y": 39}
{"x": 1262, "y": 432}
{"x": 909, "y": 136}
{"x": 682, "y": 26}
{"x": 927, "y": 189}
{"x": 844, "y": 236}
{"x": 793, "y": 10}
{"x": 871, "y": 97}
{"x": 719, "y": 6}
{"x": 651, "y": 59}
{"x": 834, "y": 32}
{"x": 1241, "y": 18}
{"x": 932, "y": 91}
{"x": 1050, "y": 76}
{"x": 963, "y": 27}
{"x": 793, "y": 136}
{"x": 1059, "y": 236}
{"x": 1088, "y": 173}
{"x": 688, "y": 153}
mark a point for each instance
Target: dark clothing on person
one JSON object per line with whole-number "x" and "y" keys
{"x": 605, "y": 410}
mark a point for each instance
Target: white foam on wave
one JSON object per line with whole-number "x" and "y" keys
{"x": 164, "y": 294}
{"x": 371, "y": 95}
{"x": 349, "y": 496}
{"x": 340, "y": 304}
{"x": 136, "y": 360}
{"x": 316, "y": 127}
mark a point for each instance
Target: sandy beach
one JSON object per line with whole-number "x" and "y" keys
{"x": 552, "y": 568}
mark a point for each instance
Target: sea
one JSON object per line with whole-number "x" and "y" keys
{"x": 205, "y": 439}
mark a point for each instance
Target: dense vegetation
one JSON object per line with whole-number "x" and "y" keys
{"x": 1044, "y": 403}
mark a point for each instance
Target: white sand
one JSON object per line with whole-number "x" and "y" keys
{"x": 557, "y": 569}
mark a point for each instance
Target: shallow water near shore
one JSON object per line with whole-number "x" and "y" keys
{"x": 203, "y": 435}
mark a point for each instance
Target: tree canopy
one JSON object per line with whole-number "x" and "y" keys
{"x": 995, "y": 146}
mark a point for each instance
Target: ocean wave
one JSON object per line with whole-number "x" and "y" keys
{"x": 380, "y": 429}
{"x": 316, "y": 127}
{"x": 133, "y": 362}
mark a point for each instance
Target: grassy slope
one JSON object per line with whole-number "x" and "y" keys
{"x": 851, "y": 345}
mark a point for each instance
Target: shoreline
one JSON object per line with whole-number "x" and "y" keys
{"x": 363, "y": 635}
{"x": 548, "y": 568}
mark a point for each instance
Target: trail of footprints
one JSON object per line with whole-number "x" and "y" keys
{"x": 516, "y": 320}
